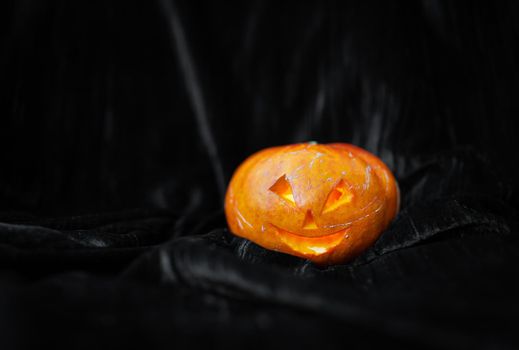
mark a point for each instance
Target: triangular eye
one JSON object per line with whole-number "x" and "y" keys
{"x": 283, "y": 189}
{"x": 338, "y": 196}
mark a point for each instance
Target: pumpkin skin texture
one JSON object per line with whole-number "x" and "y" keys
{"x": 323, "y": 202}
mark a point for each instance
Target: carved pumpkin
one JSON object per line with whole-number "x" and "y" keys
{"x": 326, "y": 203}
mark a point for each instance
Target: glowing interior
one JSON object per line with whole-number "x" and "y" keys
{"x": 338, "y": 196}
{"x": 283, "y": 189}
{"x": 309, "y": 223}
{"x": 312, "y": 246}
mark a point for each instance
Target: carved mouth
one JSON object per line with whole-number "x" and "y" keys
{"x": 313, "y": 246}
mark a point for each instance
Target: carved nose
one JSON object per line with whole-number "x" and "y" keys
{"x": 309, "y": 223}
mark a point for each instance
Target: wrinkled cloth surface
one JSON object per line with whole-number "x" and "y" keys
{"x": 122, "y": 124}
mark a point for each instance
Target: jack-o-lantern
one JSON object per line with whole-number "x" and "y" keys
{"x": 326, "y": 203}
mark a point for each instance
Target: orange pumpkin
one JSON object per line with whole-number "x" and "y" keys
{"x": 326, "y": 203}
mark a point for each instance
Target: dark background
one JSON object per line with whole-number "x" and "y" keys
{"x": 122, "y": 122}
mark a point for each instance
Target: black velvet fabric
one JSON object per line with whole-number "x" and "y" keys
{"x": 123, "y": 121}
